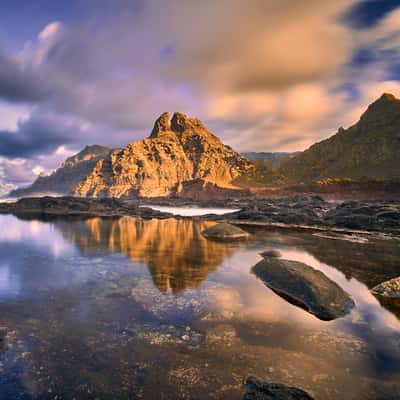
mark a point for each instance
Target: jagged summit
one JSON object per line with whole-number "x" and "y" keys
{"x": 178, "y": 124}
{"x": 179, "y": 150}
{"x": 162, "y": 125}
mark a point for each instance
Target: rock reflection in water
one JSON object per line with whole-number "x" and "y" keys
{"x": 87, "y": 322}
{"x": 176, "y": 254}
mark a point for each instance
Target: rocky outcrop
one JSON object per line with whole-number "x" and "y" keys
{"x": 178, "y": 150}
{"x": 304, "y": 287}
{"x": 389, "y": 289}
{"x": 224, "y": 231}
{"x": 382, "y": 216}
{"x": 368, "y": 149}
{"x": 74, "y": 206}
{"x": 258, "y": 390}
{"x": 65, "y": 178}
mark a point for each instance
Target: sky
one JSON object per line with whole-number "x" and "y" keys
{"x": 263, "y": 75}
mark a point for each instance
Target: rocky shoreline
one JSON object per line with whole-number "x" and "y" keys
{"x": 296, "y": 212}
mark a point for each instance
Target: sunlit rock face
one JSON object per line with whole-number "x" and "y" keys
{"x": 175, "y": 252}
{"x": 178, "y": 150}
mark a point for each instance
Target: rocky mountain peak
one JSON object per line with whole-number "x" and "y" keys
{"x": 384, "y": 111}
{"x": 368, "y": 149}
{"x": 162, "y": 125}
{"x": 181, "y": 122}
{"x": 178, "y": 124}
{"x": 178, "y": 150}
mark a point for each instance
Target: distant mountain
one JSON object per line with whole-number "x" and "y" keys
{"x": 274, "y": 159}
{"x": 5, "y": 188}
{"x": 369, "y": 149}
{"x": 64, "y": 179}
{"x": 178, "y": 151}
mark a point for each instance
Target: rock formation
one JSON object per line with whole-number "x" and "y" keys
{"x": 304, "y": 287}
{"x": 388, "y": 289}
{"x": 178, "y": 150}
{"x": 225, "y": 231}
{"x": 368, "y": 149}
{"x": 65, "y": 178}
{"x": 259, "y": 390}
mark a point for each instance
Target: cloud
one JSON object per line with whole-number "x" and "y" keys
{"x": 19, "y": 84}
{"x": 38, "y": 134}
{"x": 16, "y": 171}
{"x": 10, "y": 114}
{"x": 268, "y": 45}
{"x": 270, "y": 75}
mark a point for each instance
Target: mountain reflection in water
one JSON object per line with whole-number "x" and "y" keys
{"x": 175, "y": 252}
{"x": 121, "y": 308}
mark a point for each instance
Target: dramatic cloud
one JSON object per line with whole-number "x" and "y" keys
{"x": 268, "y": 75}
{"x": 18, "y": 84}
{"x": 38, "y": 134}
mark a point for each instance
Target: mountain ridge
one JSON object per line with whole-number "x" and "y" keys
{"x": 64, "y": 179}
{"x": 180, "y": 157}
{"x": 368, "y": 149}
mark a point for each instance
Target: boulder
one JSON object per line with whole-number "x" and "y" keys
{"x": 271, "y": 253}
{"x": 388, "y": 291}
{"x": 305, "y": 287}
{"x": 225, "y": 231}
{"x": 258, "y": 390}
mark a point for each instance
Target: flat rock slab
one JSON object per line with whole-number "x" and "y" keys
{"x": 258, "y": 390}
{"x": 225, "y": 231}
{"x": 305, "y": 287}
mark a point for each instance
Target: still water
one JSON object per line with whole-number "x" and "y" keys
{"x": 124, "y": 308}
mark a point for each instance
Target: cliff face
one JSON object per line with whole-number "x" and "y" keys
{"x": 178, "y": 150}
{"x": 65, "y": 178}
{"x": 370, "y": 149}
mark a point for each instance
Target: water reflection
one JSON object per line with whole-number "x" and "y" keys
{"x": 175, "y": 252}
{"x": 109, "y": 307}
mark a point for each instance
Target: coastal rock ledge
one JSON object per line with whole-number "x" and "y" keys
{"x": 258, "y": 390}
{"x": 304, "y": 287}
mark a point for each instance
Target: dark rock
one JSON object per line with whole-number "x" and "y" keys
{"x": 354, "y": 221}
{"x": 271, "y": 253}
{"x": 224, "y": 231}
{"x": 395, "y": 215}
{"x": 305, "y": 287}
{"x": 258, "y": 390}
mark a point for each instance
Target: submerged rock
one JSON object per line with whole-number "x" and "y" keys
{"x": 271, "y": 253}
{"x": 388, "y": 291}
{"x": 224, "y": 231}
{"x": 258, "y": 390}
{"x": 305, "y": 287}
